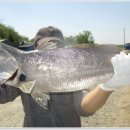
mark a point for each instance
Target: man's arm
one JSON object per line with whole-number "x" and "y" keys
{"x": 121, "y": 78}
{"x": 94, "y": 100}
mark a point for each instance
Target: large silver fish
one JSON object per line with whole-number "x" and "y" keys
{"x": 59, "y": 70}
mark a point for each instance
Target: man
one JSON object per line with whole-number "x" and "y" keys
{"x": 65, "y": 109}
{"x": 84, "y": 104}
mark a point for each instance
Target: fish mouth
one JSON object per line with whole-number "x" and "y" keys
{"x": 13, "y": 80}
{"x": 6, "y": 76}
{"x": 13, "y": 76}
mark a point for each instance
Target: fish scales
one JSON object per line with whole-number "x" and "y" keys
{"x": 56, "y": 69}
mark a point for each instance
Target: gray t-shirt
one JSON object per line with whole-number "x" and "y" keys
{"x": 64, "y": 111}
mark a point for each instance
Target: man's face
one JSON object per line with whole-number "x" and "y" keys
{"x": 50, "y": 45}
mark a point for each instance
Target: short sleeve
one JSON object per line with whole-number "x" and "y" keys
{"x": 77, "y": 97}
{"x": 8, "y": 93}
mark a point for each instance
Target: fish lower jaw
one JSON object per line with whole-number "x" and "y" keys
{"x": 13, "y": 80}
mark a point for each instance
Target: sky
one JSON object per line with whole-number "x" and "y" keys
{"x": 105, "y": 20}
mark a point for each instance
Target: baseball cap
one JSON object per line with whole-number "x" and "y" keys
{"x": 49, "y": 35}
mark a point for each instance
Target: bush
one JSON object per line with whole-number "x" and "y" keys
{"x": 85, "y": 37}
{"x": 11, "y": 35}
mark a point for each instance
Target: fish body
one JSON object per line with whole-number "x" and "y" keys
{"x": 64, "y": 69}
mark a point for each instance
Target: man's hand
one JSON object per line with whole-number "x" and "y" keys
{"x": 121, "y": 77}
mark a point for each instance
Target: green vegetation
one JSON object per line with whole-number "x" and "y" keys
{"x": 11, "y": 36}
{"x": 82, "y": 38}
{"x": 70, "y": 40}
{"x": 85, "y": 37}
{"x": 32, "y": 40}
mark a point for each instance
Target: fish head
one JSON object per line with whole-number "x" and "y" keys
{"x": 9, "y": 67}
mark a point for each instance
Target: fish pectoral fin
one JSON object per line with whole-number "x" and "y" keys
{"x": 42, "y": 99}
{"x": 26, "y": 86}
